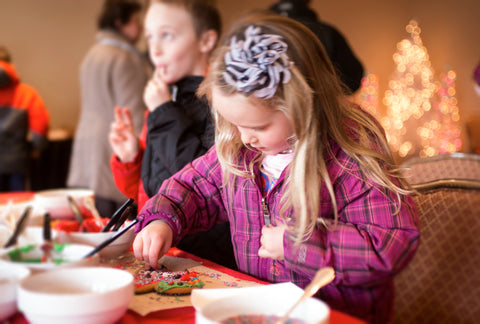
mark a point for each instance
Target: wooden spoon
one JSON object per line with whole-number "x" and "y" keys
{"x": 323, "y": 277}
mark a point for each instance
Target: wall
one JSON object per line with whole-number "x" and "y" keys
{"x": 48, "y": 39}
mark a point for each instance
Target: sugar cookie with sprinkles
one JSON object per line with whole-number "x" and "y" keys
{"x": 179, "y": 283}
{"x": 166, "y": 282}
{"x": 145, "y": 280}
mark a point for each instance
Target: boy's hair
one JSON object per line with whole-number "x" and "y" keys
{"x": 204, "y": 13}
{"x": 5, "y": 55}
{"x": 314, "y": 102}
{"x": 117, "y": 10}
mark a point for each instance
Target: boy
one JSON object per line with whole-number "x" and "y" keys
{"x": 181, "y": 35}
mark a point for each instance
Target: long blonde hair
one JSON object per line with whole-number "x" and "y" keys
{"x": 314, "y": 102}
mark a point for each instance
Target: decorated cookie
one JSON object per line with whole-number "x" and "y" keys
{"x": 145, "y": 280}
{"x": 166, "y": 282}
{"x": 179, "y": 283}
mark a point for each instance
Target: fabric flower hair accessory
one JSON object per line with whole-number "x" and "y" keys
{"x": 257, "y": 64}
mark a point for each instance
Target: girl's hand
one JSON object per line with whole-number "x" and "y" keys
{"x": 272, "y": 242}
{"x": 156, "y": 92}
{"x": 153, "y": 241}
{"x": 122, "y": 137}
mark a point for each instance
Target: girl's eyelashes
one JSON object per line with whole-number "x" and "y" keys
{"x": 255, "y": 129}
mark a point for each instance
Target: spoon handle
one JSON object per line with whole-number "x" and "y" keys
{"x": 21, "y": 223}
{"x": 111, "y": 239}
{"x": 323, "y": 277}
{"x": 118, "y": 213}
{"x": 47, "y": 227}
{"x": 75, "y": 209}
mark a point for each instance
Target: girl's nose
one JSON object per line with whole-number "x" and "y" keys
{"x": 248, "y": 138}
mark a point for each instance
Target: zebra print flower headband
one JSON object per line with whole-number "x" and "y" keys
{"x": 257, "y": 64}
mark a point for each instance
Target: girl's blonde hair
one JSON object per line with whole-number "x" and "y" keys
{"x": 314, "y": 102}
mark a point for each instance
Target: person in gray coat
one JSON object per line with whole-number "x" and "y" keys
{"x": 113, "y": 74}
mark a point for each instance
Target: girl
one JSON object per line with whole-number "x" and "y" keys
{"x": 305, "y": 179}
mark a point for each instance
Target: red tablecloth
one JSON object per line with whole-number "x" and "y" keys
{"x": 187, "y": 314}
{"x": 16, "y": 197}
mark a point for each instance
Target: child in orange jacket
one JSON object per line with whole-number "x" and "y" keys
{"x": 22, "y": 111}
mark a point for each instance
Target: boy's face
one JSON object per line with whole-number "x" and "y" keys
{"x": 174, "y": 47}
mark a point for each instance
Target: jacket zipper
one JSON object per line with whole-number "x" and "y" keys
{"x": 266, "y": 213}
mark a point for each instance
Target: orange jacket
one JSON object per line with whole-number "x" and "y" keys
{"x": 18, "y": 95}
{"x": 21, "y": 111}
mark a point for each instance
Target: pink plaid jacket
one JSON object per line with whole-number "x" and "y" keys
{"x": 368, "y": 247}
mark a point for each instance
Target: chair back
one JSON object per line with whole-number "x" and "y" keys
{"x": 458, "y": 166}
{"x": 441, "y": 284}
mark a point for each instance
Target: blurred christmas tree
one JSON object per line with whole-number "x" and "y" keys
{"x": 445, "y": 137}
{"x": 422, "y": 116}
{"x": 367, "y": 95}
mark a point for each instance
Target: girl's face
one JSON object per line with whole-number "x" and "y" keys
{"x": 174, "y": 47}
{"x": 259, "y": 126}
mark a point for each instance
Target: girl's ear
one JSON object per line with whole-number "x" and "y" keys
{"x": 208, "y": 41}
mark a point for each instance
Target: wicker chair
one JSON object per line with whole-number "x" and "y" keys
{"x": 442, "y": 282}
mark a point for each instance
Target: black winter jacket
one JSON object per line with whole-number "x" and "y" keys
{"x": 178, "y": 132}
{"x": 348, "y": 66}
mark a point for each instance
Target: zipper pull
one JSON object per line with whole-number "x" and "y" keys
{"x": 266, "y": 213}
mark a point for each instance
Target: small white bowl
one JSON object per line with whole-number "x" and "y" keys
{"x": 76, "y": 295}
{"x": 270, "y": 300}
{"x": 55, "y": 201}
{"x": 118, "y": 247}
{"x": 10, "y": 276}
{"x": 72, "y": 255}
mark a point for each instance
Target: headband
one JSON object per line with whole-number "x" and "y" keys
{"x": 257, "y": 64}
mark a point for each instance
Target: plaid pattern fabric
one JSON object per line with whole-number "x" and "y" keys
{"x": 442, "y": 282}
{"x": 366, "y": 248}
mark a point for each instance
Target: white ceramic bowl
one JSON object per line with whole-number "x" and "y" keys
{"x": 55, "y": 201}
{"x": 10, "y": 275}
{"x": 270, "y": 300}
{"x": 76, "y": 295}
{"x": 118, "y": 247}
{"x": 71, "y": 256}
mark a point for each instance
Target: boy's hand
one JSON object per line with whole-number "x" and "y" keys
{"x": 272, "y": 242}
{"x": 156, "y": 92}
{"x": 122, "y": 137}
{"x": 153, "y": 241}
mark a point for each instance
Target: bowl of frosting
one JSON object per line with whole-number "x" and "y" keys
{"x": 39, "y": 257}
